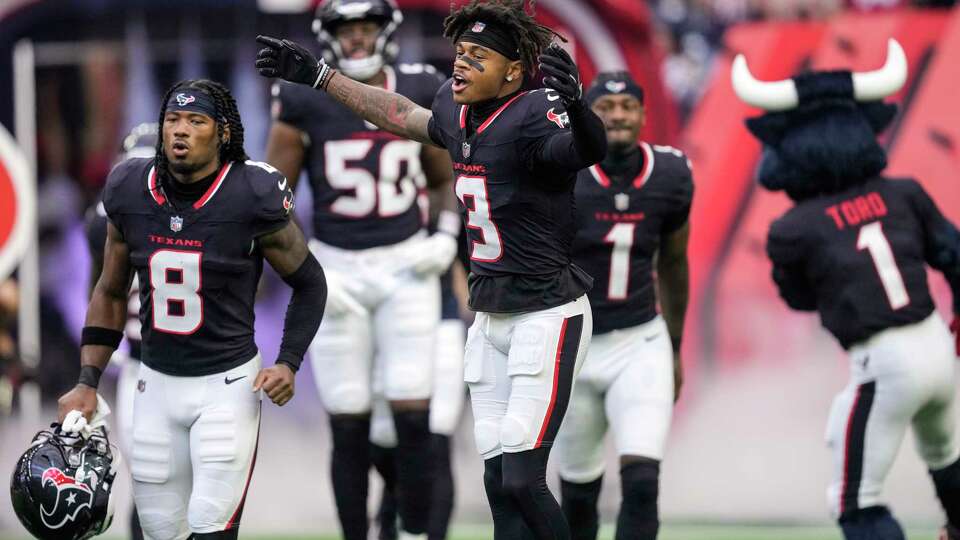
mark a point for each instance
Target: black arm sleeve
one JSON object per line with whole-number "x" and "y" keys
{"x": 582, "y": 146}
{"x": 785, "y": 250}
{"x": 941, "y": 242}
{"x": 304, "y": 312}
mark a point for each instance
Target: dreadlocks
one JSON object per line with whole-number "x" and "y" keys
{"x": 227, "y": 115}
{"x": 532, "y": 36}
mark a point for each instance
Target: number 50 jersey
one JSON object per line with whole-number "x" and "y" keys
{"x": 365, "y": 181}
{"x": 198, "y": 266}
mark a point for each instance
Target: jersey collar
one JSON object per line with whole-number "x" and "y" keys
{"x": 486, "y": 123}
{"x": 601, "y": 177}
{"x": 156, "y": 192}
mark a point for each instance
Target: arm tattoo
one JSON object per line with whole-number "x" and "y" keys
{"x": 388, "y": 110}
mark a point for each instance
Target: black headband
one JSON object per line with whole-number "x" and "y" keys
{"x": 493, "y": 36}
{"x": 190, "y": 100}
{"x": 612, "y": 83}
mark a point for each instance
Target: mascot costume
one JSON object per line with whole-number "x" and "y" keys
{"x": 855, "y": 247}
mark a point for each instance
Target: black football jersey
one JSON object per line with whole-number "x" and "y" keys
{"x": 96, "y": 229}
{"x": 858, "y": 257}
{"x": 520, "y": 222}
{"x": 365, "y": 181}
{"x": 198, "y": 266}
{"x": 621, "y": 224}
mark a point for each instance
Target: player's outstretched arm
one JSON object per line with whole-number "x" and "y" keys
{"x": 387, "y": 110}
{"x": 286, "y": 251}
{"x": 103, "y": 330}
{"x": 673, "y": 284}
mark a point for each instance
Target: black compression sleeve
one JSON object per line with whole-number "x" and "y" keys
{"x": 304, "y": 312}
{"x": 584, "y": 145}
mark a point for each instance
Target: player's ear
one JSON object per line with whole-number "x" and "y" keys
{"x": 225, "y": 137}
{"x": 514, "y": 71}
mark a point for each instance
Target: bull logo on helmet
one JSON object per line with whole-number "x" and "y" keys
{"x": 72, "y": 497}
{"x": 616, "y": 87}
{"x": 183, "y": 100}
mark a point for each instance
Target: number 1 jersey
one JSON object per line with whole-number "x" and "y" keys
{"x": 621, "y": 224}
{"x": 198, "y": 266}
{"x": 859, "y": 256}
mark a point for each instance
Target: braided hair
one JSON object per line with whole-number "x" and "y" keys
{"x": 227, "y": 115}
{"x": 532, "y": 37}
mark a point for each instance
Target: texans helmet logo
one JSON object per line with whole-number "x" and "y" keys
{"x": 72, "y": 497}
{"x": 183, "y": 100}
{"x": 561, "y": 119}
{"x": 616, "y": 86}
{"x": 288, "y": 203}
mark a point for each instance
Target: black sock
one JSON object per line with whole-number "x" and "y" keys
{"x": 638, "y": 518}
{"x": 384, "y": 462}
{"x": 414, "y": 469}
{"x": 525, "y": 479}
{"x": 579, "y": 504}
{"x": 871, "y": 523}
{"x": 947, "y": 483}
{"x": 350, "y": 469}
{"x": 443, "y": 492}
{"x": 136, "y": 533}
{"x": 508, "y": 522}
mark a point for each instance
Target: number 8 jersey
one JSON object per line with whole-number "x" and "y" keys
{"x": 621, "y": 222}
{"x": 198, "y": 266}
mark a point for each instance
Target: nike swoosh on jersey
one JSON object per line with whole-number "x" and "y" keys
{"x": 228, "y": 380}
{"x": 552, "y": 97}
{"x": 282, "y": 185}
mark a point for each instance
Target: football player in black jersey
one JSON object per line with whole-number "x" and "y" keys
{"x": 515, "y": 157}
{"x": 194, "y": 223}
{"x": 382, "y": 267}
{"x": 633, "y": 209}
{"x": 855, "y": 247}
{"x": 141, "y": 142}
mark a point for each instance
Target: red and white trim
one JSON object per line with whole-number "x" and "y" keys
{"x": 212, "y": 190}
{"x": 639, "y": 181}
{"x": 235, "y": 518}
{"x": 152, "y": 187}
{"x": 488, "y": 121}
{"x": 599, "y": 175}
{"x": 556, "y": 384}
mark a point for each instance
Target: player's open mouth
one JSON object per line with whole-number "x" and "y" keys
{"x": 459, "y": 83}
{"x": 179, "y": 148}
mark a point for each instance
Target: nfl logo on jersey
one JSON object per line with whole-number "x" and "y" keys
{"x": 176, "y": 223}
{"x": 621, "y": 201}
{"x": 478, "y": 27}
{"x": 466, "y": 150}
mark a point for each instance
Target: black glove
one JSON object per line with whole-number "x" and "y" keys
{"x": 291, "y": 62}
{"x": 562, "y": 75}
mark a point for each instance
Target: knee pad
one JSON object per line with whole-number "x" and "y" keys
{"x": 163, "y": 516}
{"x": 514, "y": 434}
{"x": 348, "y": 398}
{"x": 871, "y": 523}
{"x": 486, "y": 435}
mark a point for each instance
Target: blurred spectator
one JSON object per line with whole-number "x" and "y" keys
{"x": 10, "y": 368}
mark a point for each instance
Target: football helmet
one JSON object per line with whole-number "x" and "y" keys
{"x": 331, "y": 13}
{"x": 61, "y": 486}
{"x": 141, "y": 142}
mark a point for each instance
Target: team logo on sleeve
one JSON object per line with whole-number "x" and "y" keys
{"x": 562, "y": 119}
{"x": 183, "y": 100}
{"x": 72, "y": 497}
{"x": 288, "y": 203}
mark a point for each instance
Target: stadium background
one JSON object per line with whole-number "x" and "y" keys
{"x": 746, "y": 457}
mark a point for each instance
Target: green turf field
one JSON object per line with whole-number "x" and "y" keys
{"x": 668, "y": 532}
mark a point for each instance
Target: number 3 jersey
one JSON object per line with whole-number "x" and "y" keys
{"x": 519, "y": 216}
{"x": 198, "y": 266}
{"x": 621, "y": 223}
{"x": 859, "y": 256}
{"x": 365, "y": 182}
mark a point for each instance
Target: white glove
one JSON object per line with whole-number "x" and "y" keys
{"x": 434, "y": 255}
{"x": 339, "y": 299}
{"x": 75, "y": 423}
